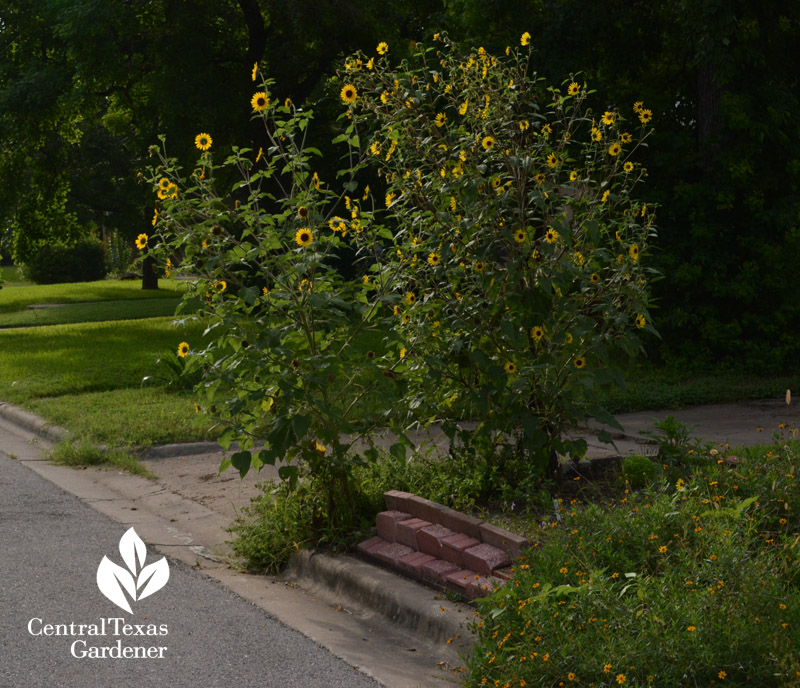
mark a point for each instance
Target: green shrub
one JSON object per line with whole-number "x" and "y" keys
{"x": 705, "y": 570}
{"x": 639, "y": 471}
{"x": 118, "y": 254}
{"x": 56, "y": 264}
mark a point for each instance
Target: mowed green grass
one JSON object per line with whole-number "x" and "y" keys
{"x": 38, "y": 362}
{"x": 97, "y": 311}
{"x": 17, "y": 298}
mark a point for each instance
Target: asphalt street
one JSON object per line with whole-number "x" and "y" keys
{"x": 54, "y": 617}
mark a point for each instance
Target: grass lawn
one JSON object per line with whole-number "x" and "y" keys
{"x": 129, "y": 309}
{"x": 18, "y": 298}
{"x": 12, "y": 276}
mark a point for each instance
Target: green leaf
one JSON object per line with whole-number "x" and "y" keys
{"x": 241, "y": 462}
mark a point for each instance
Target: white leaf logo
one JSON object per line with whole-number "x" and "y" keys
{"x": 138, "y": 580}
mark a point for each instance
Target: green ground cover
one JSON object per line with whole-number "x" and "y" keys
{"x": 13, "y": 277}
{"x": 17, "y": 298}
{"x": 94, "y": 311}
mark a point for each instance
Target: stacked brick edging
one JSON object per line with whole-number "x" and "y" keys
{"x": 442, "y": 547}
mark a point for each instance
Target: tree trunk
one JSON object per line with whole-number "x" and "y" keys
{"x": 149, "y": 277}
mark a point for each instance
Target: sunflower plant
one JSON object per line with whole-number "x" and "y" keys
{"x": 517, "y": 241}
{"x": 298, "y": 347}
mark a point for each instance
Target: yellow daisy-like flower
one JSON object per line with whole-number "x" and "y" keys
{"x": 551, "y": 236}
{"x": 537, "y": 333}
{"x": 411, "y": 298}
{"x": 255, "y": 71}
{"x": 578, "y": 259}
{"x": 219, "y": 287}
{"x": 141, "y": 241}
{"x": 637, "y": 106}
{"x": 621, "y": 678}
{"x": 520, "y": 236}
{"x": 164, "y": 183}
{"x": 510, "y": 367}
{"x": 390, "y": 198}
{"x": 606, "y": 668}
{"x": 406, "y": 318}
{"x": 574, "y": 89}
{"x": 633, "y": 252}
{"x": 434, "y": 259}
{"x": 371, "y": 63}
{"x": 580, "y": 362}
{"x": 303, "y": 236}
{"x": 722, "y": 675}
{"x": 259, "y": 102}
{"x": 570, "y": 676}
{"x": 597, "y": 135}
{"x": 403, "y": 352}
{"x": 645, "y": 116}
{"x": 480, "y": 266}
{"x": 168, "y": 268}
{"x": 383, "y": 48}
{"x": 348, "y": 94}
{"x": 462, "y": 109}
{"x": 641, "y": 321}
{"x": 540, "y": 178}
{"x": 691, "y": 629}
{"x": 487, "y": 142}
{"x": 608, "y": 117}
{"x": 155, "y": 218}
{"x": 305, "y": 285}
{"x": 552, "y": 160}
{"x": 546, "y": 130}
{"x": 614, "y": 149}
{"x": 302, "y": 212}
{"x": 573, "y": 176}
{"x": 595, "y": 278}
{"x": 337, "y": 225}
{"x": 525, "y": 39}
{"x": 440, "y": 120}
{"x": 183, "y": 349}
{"x": 628, "y": 166}
{"x": 606, "y": 194}
{"x": 568, "y": 338}
{"x": 203, "y": 141}
{"x": 315, "y": 181}
{"x": 625, "y": 137}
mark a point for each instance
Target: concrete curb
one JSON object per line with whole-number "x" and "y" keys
{"x": 32, "y": 423}
{"x": 403, "y": 602}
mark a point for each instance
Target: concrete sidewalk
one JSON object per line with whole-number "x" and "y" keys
{"x": 392, "y": 628}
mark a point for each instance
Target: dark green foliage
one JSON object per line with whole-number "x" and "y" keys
{"x": 55, "y": 264}
{"x": 639, "y": 471}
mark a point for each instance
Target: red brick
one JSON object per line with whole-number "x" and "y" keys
{"x": 453, "y": 547}
{"x": 387, "y": 521}
{"x": 503, "y": 539}
{"x": 483, "y": 586}
{"x": 412, "y": 564}
{"x": 368, "y": 546}
{"x": 396, "y": 500}
{"x": 435, "y": 571}
{"x": 419, "y": 507}
{"x": 485, "y": 558}
{"x": 430, "y": 539}
{"x": 461, "y": 579}
{"x": 406, "y": 531}
{"x": 460, "y": 523}
{"x": 505, "y": 574}
{"x": 391, "y": 553}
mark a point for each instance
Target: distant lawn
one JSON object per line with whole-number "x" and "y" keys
{"x": 12, "y": 277}
{"x": 38, "y": 362}
{"x": 91, "y": 312}
{"x": 17, "y": 298}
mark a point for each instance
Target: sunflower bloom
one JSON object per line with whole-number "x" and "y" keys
{"x": 626, "y": 137}
{"x": 203, "y": 141}
{"x": 259, "y": 102}
{"x": 164, "y": 183}
{"x": 519, "y": 236}
{"x": 551, "y": 236}
{"x": 462, "y": 109}
{"x": 614, "y": 149}
{"x": 434, "y": 259}
{"x": 303, "y": 237}
{"x": 628, "y": 166}
{"x": 141, "y": 241}
{"x": 645, "y": 116}
{"x": 383, "y": 48}
{"x": 633, "y": 252}
{"x": 348, "y": 94}
{"x": 574, "y": 89}
{"x": 510, "y": 368}
{"x": 525, "y": 39}
{"x": 641, "y": 321}
{"x": 440, "y": 120}
{"x": 608, "y": 117}
{"x": 487, "y": 143}
{"x": 621, "y": 678}
{"x": 183, "y": 349}
{"x": 537, "y": 333}
{"x": 580, "y": 362}
{"x": 411, "y": 298}
{"x": 552, "y": 160}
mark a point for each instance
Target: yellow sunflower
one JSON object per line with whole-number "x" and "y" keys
{"x": 551, "y": 236}
{"x": 519, "y": 236}
{"x": 480, "y": 266}
{"x": 537, "y": 333}
{"x": 164, "y": 183}
{"x": 434, "y": 259}
{"x": 580, "y": 362}
{"x": 608, "y": 117}
{"x": 625, "y": 137}
{"x": 525, "y": 39}
{"x": 348, "y": 94}
{"x": 260, "y": 101}
{"x": 141, "y": 241}
{"x": 641, "y": 321}
{"x": 411, "y": 298}
{"x": 303, "y": 237}
{"x": 487, "y": 143}
{"x": 383, "y": 48}
{"x": 595, "y": 278}
{"x": 552, "y": 160}
{"x": 183, "y": 349}
{"x": 614, "y": 149}
{"x": 633, "y": 252}
{"x": 440, "y": 119}
{"x": 574, "y": 89}
{"x": 203, "y": 141}
{"x": 645, "y": 116}
{"x": 302, "y": 212}
{"x": 628, "y": 166}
